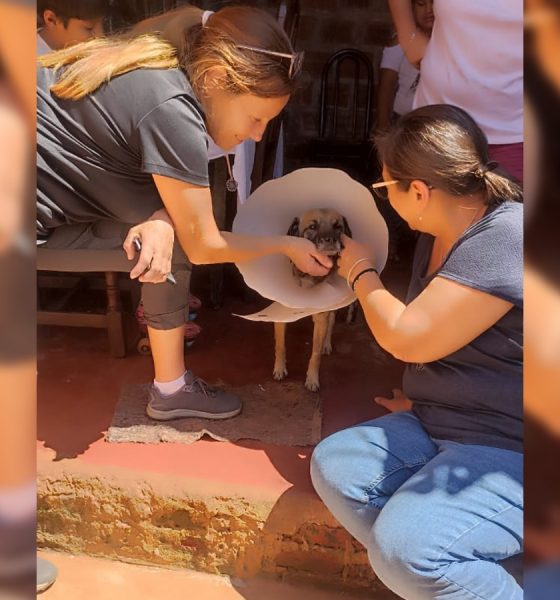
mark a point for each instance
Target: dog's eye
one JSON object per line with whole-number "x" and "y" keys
{"x": 312, "y": 226}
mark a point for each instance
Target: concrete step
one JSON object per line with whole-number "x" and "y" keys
{"x": 214, "y": 527}
{"x": 87, "y": 578}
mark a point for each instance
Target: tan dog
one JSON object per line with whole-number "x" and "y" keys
{"x": 324, "y": 228}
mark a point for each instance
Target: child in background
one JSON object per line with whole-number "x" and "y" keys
{"x": 66, "y": 22}
{"x": 398, "y": 79}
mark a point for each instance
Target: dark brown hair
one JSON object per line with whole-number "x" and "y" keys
{"x": 442, "y": 145}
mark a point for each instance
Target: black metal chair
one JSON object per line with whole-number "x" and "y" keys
{"x": 346, "y": 117}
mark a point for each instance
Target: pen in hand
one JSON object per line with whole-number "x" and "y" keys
{"x": 138, "y": 247}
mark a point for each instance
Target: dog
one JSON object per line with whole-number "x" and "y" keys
{"x": 324, "y": 227}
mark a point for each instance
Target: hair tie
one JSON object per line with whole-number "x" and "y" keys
{"x": 480, "y": 173}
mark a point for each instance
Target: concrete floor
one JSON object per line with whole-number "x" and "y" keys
{"x": 86, "y": 578}
{"x": 79, "y": 385}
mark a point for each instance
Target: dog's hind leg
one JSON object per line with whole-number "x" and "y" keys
{"x": 321, "y": 323}
{"x": 280, "y": 370}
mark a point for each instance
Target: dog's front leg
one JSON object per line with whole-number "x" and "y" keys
{"x": 321, "y": 323}
{"x": 280, "y": 370}
{"x": 327, "y": 344}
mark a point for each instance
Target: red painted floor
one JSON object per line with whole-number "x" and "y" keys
{"x": 79, "y": 386}
{"x": 86, "y": 578}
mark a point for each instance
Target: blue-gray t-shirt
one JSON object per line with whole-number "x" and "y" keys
{"x": 96, "y": 156}
{"x": 475, "y": 395}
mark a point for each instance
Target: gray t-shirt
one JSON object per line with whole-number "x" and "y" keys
{"x": 96, "y": 156}
{"x": 475, "y": 395}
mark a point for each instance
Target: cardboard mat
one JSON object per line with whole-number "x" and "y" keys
{"x": 275, "y": 413}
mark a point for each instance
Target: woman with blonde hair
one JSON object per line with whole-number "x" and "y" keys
{"x": 122, "y": 128}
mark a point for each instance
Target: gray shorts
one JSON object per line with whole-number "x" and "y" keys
{"x": 165, "y": 305}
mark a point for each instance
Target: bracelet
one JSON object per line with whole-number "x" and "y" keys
{"x": 370, "y": 270}
{"x": 351, "y": 269}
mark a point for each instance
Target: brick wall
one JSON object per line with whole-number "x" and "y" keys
{"x": 327, "y": 26}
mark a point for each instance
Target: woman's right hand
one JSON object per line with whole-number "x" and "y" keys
{"x": 306, "y": 257}
{"x": 398, "y": 403}
{"x": 157, "y": 237}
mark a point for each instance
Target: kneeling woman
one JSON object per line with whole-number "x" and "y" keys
{"x": 434, "y": 490}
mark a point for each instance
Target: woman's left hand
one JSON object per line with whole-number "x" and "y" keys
{"x": 354, "y": 251}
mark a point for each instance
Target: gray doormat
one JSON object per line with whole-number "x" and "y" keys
{"x": 276, "y": 413}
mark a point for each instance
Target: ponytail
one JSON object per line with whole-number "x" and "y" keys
{"x": 500, "y": 188}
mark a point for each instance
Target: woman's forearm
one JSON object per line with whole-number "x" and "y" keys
{"x": 382, "y": 312}
{"x": 388, "y": 82}
{"x": 232, "y": 247}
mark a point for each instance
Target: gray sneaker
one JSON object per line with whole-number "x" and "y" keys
{"x": 46, "y": 574}
{"x": 195, "y": 399}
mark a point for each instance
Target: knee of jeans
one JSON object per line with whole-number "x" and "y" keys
{"x": 319, "y": 467}
{"x": 397, "y": 550}
{"x": 330, "y": 472}
{"x": 325, "y": 468}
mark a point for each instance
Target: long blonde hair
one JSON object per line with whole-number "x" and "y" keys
{"x": 84, "y": 68}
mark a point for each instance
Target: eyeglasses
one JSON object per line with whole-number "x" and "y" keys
{"x": 380, "y": 188}
{"x": 296, "y": 59}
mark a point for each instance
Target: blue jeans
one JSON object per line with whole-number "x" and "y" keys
{"x": 435, "y": 516}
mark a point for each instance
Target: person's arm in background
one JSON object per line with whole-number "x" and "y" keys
{"x": 387, "y": 89}
{"x": 411, "y": 39}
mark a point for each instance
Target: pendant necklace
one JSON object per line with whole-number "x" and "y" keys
{"x": 231, "y": 184}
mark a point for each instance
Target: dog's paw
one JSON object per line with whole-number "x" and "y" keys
{"x": 280, "y": 372}
{"x": 312, "y": 383}
{"x": 327, "y": 348}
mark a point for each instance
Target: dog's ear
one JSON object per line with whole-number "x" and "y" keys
{"x": 294, "y": 228}
{"x": 347, "y": 230}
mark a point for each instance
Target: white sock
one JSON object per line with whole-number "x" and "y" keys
{"x": 18, "y": 503}
{"x": 168, "y": 388}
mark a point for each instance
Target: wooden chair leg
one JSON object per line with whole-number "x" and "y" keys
{"x": 115, "y": 325}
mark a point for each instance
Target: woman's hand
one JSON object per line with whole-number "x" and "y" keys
{"x": 398, "y": 403}
{"x": 157, "y": 237}
{"x": 351, "y": 254}
{"x": 306, "y": 257}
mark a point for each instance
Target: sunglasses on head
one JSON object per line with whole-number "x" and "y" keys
{"x": 296, "y": 59}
